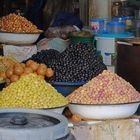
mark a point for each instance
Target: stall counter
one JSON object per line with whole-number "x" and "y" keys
{"x": 123, "y": 129}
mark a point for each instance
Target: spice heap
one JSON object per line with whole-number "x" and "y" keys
{"x": 17, "y": 24}
{"x": 31, "y": 91}
{"x": 106, "y": 88}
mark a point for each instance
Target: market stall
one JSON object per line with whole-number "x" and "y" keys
{"x": 65, "y": 82}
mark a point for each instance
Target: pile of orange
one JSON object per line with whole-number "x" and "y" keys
{"x": 12, "y": 74}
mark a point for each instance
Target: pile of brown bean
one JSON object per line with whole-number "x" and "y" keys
{"x": 31, "y": 91}
{"x": 17, "y": 24}
{"x": 106, "y": 88}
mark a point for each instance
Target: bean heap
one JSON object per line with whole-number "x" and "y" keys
{"x": 106, "y": 88}
{"x": 77, "y": 63}
{"x": 31, "y": 91}
{"x": 15, "y": 23}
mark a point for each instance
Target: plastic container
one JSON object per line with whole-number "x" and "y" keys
{"x": 114, "y": 27}
{"x": 106, "y": 48}
{"x": 127, "y": 19}
{"x": 119, "y": 19}
{"x": 65, "y": 88}
{"x": 32, "y": 124}
{"x": 97, "y": 25}
{"x": 106, "y": 20}
{"x": 82, "y": 37}
{"x": 129, "y": 22}
{"x": 75, "y": 40}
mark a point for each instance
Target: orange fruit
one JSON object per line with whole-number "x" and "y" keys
{"x": 34, "y": 66}
{"x": 9, "y": 72}
{"x": 29, "y": 62}
{"x": 49, "y": 72}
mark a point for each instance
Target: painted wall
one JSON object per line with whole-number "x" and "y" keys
{"x": 99, "y": 9}
{"x": 104, "y": 10}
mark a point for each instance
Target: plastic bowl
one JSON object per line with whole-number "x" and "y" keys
{"x": 18, "y": 38}
{"x": 58, "y": 110}
{"x": 114, "y": 27}
{"x": 65, "y": 88}
{"x": 82, "y": 37}
{"x": 101, "y": 112}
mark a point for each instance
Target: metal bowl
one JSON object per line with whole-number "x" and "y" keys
{"x": 58, "y": 110}
{"x": 18, "y": 38}
{"x": 104, "y": 111}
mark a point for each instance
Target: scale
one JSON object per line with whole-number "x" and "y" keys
{"x": 33, "y": 124}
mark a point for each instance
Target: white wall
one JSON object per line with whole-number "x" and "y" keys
{"x": 104, "y": 8}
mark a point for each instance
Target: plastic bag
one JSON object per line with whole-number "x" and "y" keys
{"x": 54, "y": 43}
{"x": 60, "y": 32}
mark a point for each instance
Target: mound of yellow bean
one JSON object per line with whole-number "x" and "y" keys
{"x": 31, "y": 91}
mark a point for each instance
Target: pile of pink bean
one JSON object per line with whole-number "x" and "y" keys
{"x": 106, "y": 88}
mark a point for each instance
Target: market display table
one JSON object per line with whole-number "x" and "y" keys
{"x": 123, "y": 129}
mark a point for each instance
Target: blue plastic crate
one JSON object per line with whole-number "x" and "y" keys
{"x": 65, "y": 88}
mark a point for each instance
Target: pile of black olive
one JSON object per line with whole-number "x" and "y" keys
{"x": 77, "y": 63}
